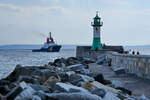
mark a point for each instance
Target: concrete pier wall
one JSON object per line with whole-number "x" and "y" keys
{"x": 86, "y": 52}
{"x": 135, "y": 64}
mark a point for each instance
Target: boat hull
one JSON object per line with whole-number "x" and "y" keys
{"x": 49, "y": 49}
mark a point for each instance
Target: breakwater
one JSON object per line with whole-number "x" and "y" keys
{"x": 63, "y": 79}
{"x": 134, "y": 64}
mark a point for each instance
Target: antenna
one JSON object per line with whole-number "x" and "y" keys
{"x": 97, "y": 12}
{"x": 50, "y": 34}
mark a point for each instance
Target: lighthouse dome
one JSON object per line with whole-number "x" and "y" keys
{"x": 96, "y": 17}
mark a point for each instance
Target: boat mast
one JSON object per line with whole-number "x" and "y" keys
{"x": 50, "y": 34}
{"x": 51, "y": 39}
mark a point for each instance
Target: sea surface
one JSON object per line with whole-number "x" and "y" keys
{"x": 10, "y": 57}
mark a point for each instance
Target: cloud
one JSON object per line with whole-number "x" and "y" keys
{"x": 50, "y": 1}
{"x": 69, "y": 21}
{"x": 9, "y": 7}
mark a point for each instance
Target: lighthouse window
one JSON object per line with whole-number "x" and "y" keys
{"x": 97, "y": 20}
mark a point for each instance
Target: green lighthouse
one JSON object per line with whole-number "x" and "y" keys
{"x": 96, "y": 33}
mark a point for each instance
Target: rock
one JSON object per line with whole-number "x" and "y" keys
{"x": 56, "y": 62}
{"x": 100, "y": 59}
{"x": 20, "y": 71}
{"x": 44, "y": 74}
{"x": 75, "y": 79}
{"x": 87, "y": 85}
{"x": 44, "y": 88}
{"x": 4, "y": 82}
{"x": 69, "y": 73}
{"x": 79, "y": 68}
{"x": 28, "y": 79}
{"x": 125, "y": 91}
{"x": 59, "y": 62}
{"x": 116, "y": 83}
{"x": 2, "y": 97}
{"x": 17, "y": 90}
{"x": 130, "y": 99}
{"x": 120, "y": 70}
{"x": 72, "y": 61}
{"x": 74, "y": 96}
{"x": 76, "y": 67}
{"x": 99, "y": 77}
{"x": 63, "y": 87}
{"x": 86, "y": 78}
{"x": 52, "y": 81}
{"x": 4, "y": 90}
{"x": 13, "y": 85}
{"x": 35, "y": 97}
{"x": 41, "y": 94}
{"x": 143, "y": 97}
{"x": 99, "y": 92}
{"x": 63, "y": 76}
{"x": 50, "y": 63}
{"x": 101, "y": 86}
{"x": 87, "y": 60}
{"x": 107, "y": 62}
{"x": 26, "y": 94}
{"x": 85, "y": 72}
{"x": 110, "y": 96}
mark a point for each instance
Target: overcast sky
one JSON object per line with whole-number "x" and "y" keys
{"x": 126, "y": 22}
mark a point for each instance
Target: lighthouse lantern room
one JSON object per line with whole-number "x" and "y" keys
{"x": 96, "y": 33}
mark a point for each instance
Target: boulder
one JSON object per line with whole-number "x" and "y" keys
{"x": 4, "y": 90}
{"x": 116, "y": 83}
{"x": 96, "y": 84}
{"x": 4, "y": 82}
{"x": 52, "y": 81}
{"x": 74, "y": 96}
{"x": 99, "y": 92}
{"x": 72, "y": 61}
{"x": 36, "y": 97}
{"x": 143, "y": 97}
{"x": 75, "y": 79}
{"x": 26, "y": 94}
{"x": 63, "y": 76}
{"x": 27, "y": 79}
{"x": 59, "y": 62}
{"x": 87, "y": 60}
{"x": 76, "y": 67}
{"x": 44, "y": 88}
{"x": 44, "y": 74}
{"x": 16, "y": 91}
{"x": 79, "y": 68}
{"x": 100, "y": 59}
{"x": 99, "y": 77}
{"x": 86, "y": 78}
{"x": 111, "y": 96}
{"x": 63, "y": 87}
{"x": 69, "y": 73}
{"x": 119, "y": 70}
{"x": 124, "y": 90}
{"x": 41, "y": 94}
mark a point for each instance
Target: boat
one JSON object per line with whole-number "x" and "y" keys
{"x": 49, "y": 46}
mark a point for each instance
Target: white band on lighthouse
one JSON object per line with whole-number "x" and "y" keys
{"x": 96, "y": 31}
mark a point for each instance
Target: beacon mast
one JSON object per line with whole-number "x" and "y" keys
{"x": 97, "y": 45}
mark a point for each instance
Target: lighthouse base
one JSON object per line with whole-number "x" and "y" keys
{"x": 86, "y": 52}
{"x": 96, "y": 44}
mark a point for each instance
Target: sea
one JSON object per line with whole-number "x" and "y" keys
{"x": 10, "y": 56}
